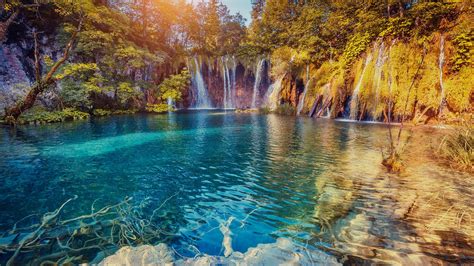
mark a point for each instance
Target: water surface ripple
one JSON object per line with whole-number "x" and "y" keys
{"x": 318, "y": 182}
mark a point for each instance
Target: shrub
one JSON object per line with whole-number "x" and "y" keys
{"x": 158, "y": 108}
{"x": 285, "y": 109}
{"x": 39, "y": 116}
{"x": 264, "y": 110}
{"x": 101, "y": 112}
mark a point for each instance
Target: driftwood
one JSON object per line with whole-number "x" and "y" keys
{"x": 66, "y": 240}
{"x": 315, "y": 105}
{"x": 326, "y": 104}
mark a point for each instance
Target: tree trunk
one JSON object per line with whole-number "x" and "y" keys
{"x": 5, "y": 25}
{"x": 27, "y": 103}
{"x": 401, "y": 8}
{"x": 12, "y": 114}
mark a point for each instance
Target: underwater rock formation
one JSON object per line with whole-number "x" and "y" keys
{"x": 283, "y": 252}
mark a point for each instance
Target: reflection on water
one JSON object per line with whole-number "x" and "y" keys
{"x": 318, "y": 182}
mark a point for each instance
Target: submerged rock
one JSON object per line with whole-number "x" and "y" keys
{"x": 142, "y": 255}
{"x": 283, "y": 252}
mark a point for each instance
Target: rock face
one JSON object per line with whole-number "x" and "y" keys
{"x": 242, "y": 89}
{"x": 283, "y": 252}
{"x": 14, "y": 73}
{"x": 291, "y": 90}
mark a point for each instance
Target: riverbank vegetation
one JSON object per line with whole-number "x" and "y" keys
{"x": 366, "y": 53}
{"x": 458, "y": 147}
{"x": 116, "y": 54}
{"x": 360, "y": 56}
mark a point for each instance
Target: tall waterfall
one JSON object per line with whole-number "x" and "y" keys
{"x": 441, "y": 65}
{"x": 234, "y": 81}
{"x": 202, "y": 100}
{"x": 258, "y": 80}
{"x": 381, "y": 59}
{"x": 302, "y": 98}
{"x": 355, "y": 95}
{"x": 272, "y": 95}
{"x": 228, "y": 75}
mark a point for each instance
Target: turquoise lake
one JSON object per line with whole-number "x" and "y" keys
{"x": 312, "y": 181}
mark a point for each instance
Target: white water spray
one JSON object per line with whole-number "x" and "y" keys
{"x": 381, "y": 59}
{"x": 441, "y": 65}
{"x": 170, "y": 104}
{"x": 303, "y": 96}
{"x": 202, "y": 100}
{"x": 355, "y": 95}
{"x": 228, "y": 76}
{"x": 258, "y": 80}
{"x": 273, "y": 93}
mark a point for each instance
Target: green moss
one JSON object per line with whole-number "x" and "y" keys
{"x": 39, "y": 116}
{"x": 101, "y": 112}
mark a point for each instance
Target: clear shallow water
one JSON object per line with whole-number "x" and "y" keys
{"x": 318, "y": 182}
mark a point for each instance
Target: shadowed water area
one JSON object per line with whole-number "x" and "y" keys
{"x": 317, "y": 182}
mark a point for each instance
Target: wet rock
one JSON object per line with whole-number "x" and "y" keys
{"x": 142, "y": 255}
{"x": 283, "y": 252}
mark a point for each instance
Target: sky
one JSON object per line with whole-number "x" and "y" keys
{"x": 244, "y": 7}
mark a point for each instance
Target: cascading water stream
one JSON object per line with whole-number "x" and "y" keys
{"x": 355, "y": 95}
{"x": 202, "y": 100}
{"x": 258, "y": 80}
{"x": 228, "y": 102}
{"x": 272, "y": 95}
{"x": 441, "y": 65}
{"x": 302, "y": 98}
{"x": 170, "y": 104}
{"x": 224, "y": 77}
{"x": 381, "y": 59}
{"x": 234, "y": 81}
{"x": 229, "y": 82}
{"x": 327, "y": 95}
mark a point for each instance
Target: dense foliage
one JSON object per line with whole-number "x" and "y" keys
{"x": 382, "y": 47}
{"x": 134, "y": 54}
{"x": 125, "y": 50}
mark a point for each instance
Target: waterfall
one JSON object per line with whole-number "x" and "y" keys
{"x": 170, "y": 104}
{"x": 258, "y": 80}
{"x": 441, "y": 65}
{"x": 234, "y": 81}
{"x": 381, "y": 59}
{"x": 202, "y": 100}
{"x": 273, "y": 93}
{"x": 355, "y": 95}
{"x": 302, "y": 98}
{"x": 224, "y": 77}
{"x": 228, "y": 77}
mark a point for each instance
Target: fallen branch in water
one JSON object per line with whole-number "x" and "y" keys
{"x": 69, "y": 240}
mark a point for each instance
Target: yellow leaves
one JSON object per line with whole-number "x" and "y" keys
{"x": 173, "y": 86}
{"x": 79, "y": 70}
{"x": 356, "y": 45}
{"x": 158, "y": 108}
{"x": 460, "y": 89}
